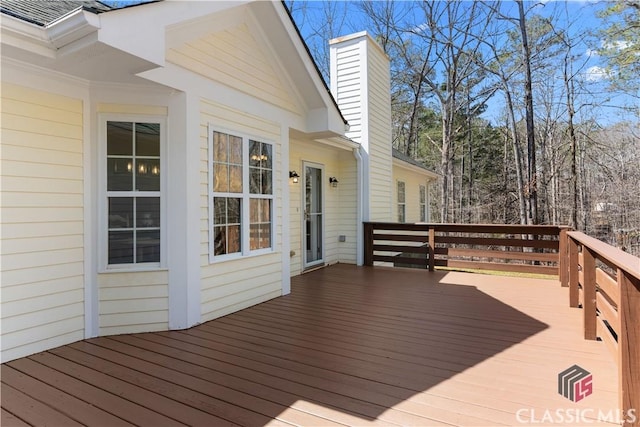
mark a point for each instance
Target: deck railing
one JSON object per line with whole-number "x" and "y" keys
{"x": 603, "y": 281}
{"x": 511, "y": 248}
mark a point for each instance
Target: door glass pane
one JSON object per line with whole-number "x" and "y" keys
{"x": 313, "y": 215}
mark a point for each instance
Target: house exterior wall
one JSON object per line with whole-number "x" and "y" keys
{"x": 361, "y": 85}
{"x": 339, "y": 202}
{"x": 413, "y": 180}
{"x": 232, "y": 285}
{"x": 234, "y": 58}
{"x": 42, "y": 220}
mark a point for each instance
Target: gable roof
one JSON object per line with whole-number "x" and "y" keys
{"x": 404, "y": 158}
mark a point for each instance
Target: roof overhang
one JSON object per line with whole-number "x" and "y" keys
{"x": 120, "y": 45}
{"x": 414, "y": 168}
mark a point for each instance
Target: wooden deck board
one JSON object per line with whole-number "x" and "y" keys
{"x": 348, "y": 346}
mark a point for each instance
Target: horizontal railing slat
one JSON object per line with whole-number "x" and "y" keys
{"x": 484, "y": 241}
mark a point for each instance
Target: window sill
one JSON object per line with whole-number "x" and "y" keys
{"x": 227, "y": 258}
{"x": 137, "y": 269}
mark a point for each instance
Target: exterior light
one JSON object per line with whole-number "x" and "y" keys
{"x": 294, "y": 176}
{"x": 333, "y": 181}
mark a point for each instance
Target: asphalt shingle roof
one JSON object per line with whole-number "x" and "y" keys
{"x": 43, "y": 12}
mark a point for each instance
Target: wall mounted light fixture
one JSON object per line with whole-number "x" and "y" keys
{"x": 333, "y": 181}
{"x": 294, "y": 176}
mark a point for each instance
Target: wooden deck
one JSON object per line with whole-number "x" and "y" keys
{"x": 350, "y": 346}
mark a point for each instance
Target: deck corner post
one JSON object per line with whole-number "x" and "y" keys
{"x": 629, "y": 345}
{"x": 368, "y": 244}
{"x": 573, "y": 273}
{"x": 563, "y": 258}
{"x": 432, "y": 248}
{"x": 589, "y": 292}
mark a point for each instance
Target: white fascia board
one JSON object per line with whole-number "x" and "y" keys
{"x": 71, "y": 28}
{"x": 413, "y": 168}
{"x": 341, "y": 142}
{"x": 25, "y": 36}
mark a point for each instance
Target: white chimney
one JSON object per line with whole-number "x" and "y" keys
{"x": 360, "y": 83}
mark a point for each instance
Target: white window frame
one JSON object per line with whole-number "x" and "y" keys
{"x": 422, "y": 202}
{"x": 103, "y": 203}
{"x": 403, "y": 204}
{"x": 245, "y": 196}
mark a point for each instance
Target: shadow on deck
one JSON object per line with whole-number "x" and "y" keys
{"x": 349, "y": 346}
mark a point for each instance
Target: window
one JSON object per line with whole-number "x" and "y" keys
{"x": 133, "y": 193}
{"x": 241, "y": 175}
{"x": 423, "y": 203}
{"x": 401, "y": 202}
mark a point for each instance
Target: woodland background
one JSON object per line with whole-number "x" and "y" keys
{"x": 529, "y": 111}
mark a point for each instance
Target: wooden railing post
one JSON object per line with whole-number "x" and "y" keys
{"x": 589, "y": 293}
{"x": 368, "y": 244}
{"x": 563, "y": 258}
{"x": 629, "y": 344}
{"x": 432, "y": 249}
{"x": 573, "y": 274}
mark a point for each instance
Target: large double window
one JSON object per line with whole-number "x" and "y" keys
{"x": 133, "y": 192}
{"x": 241, "y": 196}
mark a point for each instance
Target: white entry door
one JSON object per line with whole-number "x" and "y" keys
{"x": 313, "y": 221}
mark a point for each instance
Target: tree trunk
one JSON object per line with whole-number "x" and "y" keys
{"x": 532, "y": 185}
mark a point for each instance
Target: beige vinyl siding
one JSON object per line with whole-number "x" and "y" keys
{"x": 234, "y": 58}
{"x": 232, "y": 285}
{"x": 42, "y": 272}
{"x": 339, "y": 203}
{"x": 133, "y": 302}
{"x": 379, "y": 120}
{"x": 413, "y": 181}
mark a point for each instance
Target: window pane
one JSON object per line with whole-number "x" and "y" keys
{"x": 120, "y": 247}
{"x": 401, "y": 197}
{"x": 266, "y": 156}
{"x": 254, "y": 153}
{"x": 233, "y": 239}
{"x": 234, "y": 211}
{"x": 147, "y": 175}
{"x": 423, "y": 194}
{"x": 148, "y": 139}
{"x": 148, "y": 246}
{"x": 254, "y": 210}
{"x": 254, "y": 180}
{"x": 119, "y": 139}
{"x": 219, "y": 210}
{"x": 119, "y": 174}
{"x": 267, "y": 187}
{"x": 220, "y": 147}
{"x": 220, "y": 178}
{"x": 235, "y": 179}
{"x": 265, "y": 236}
{"x": 254, "y": 237}
{"x": 147, "y": 212}
{"x": 220, "y": 240}
{"x": 120, "y": 212}
{"x": 265, "y": 210}
{"x": 235, "y": 150}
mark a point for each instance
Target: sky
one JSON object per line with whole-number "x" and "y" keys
{"x": 578, "y": 17}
